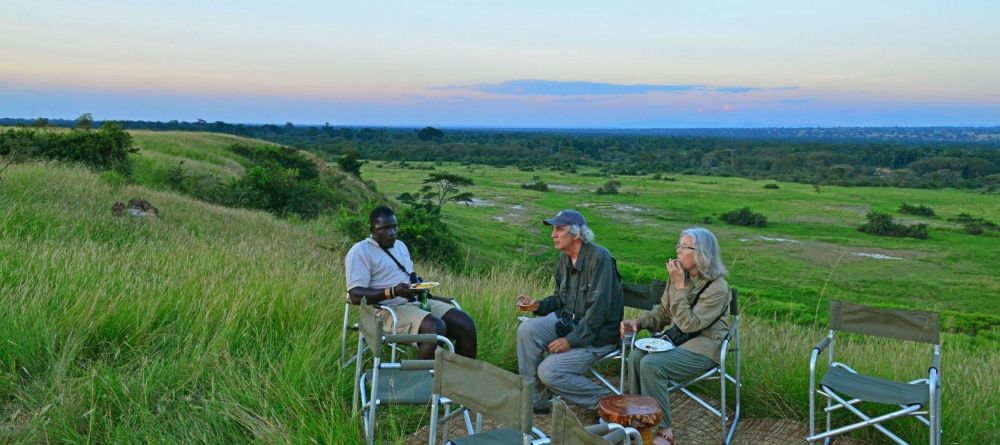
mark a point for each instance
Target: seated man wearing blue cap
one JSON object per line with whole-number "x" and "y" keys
{"x": 577, "y": 323}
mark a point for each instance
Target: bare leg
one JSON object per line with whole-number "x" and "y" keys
{"x": 463, "y": 330}
{"x": 429, "y": 325}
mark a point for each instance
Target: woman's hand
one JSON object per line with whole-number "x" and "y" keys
{"x": 628, "y": 327}
{"x": 676, "y": 273}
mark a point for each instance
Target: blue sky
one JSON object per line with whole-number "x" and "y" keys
{"x": 512, "y": 63}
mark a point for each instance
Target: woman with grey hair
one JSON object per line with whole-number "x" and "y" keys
{"x": 694, "y": 305}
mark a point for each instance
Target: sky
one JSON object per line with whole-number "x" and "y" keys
{"x": 512, "y": 63}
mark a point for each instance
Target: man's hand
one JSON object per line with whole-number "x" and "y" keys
{"x": 559, "y": 345}
{"x": 628, "y": 327}
{"x": 403, "y": 290}
{"x": 526, "y": 303}
{"x": 676, "y": 273}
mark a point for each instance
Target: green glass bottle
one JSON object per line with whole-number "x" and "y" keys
{"x": 425, "y": 304}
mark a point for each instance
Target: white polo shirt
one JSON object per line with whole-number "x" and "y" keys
{"x": 366, "y": 265}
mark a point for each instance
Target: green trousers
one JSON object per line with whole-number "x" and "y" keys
{"x": 649, "y": 373}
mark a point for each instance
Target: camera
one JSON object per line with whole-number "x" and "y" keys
{"x": 564, "y": 326}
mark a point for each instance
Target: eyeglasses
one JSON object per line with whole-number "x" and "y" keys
{"x": 681, "y": 246}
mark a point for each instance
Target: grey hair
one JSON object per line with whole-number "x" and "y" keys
{"x": 707, "y": 252}
{"x": 581, "y": 232}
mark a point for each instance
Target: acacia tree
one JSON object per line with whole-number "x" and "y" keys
{"x": 438, "y": 189}
{"x": 85, "y": 121}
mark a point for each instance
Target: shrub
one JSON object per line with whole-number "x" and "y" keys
{"x": 609, "y": 188}
{"x": 105, "y": 149}
{"x": 657, "y": 176}
{"x": 969, "y": 220}
{"x": 974, "y": 229}
{"x": 744, "y": 217}
{"x": 538, "y": 185}
{"x": 919, "y": 210}
{"x": 423, "y": 231}
{"x": 882, "y": 224}
{"x": 771, "y": 186}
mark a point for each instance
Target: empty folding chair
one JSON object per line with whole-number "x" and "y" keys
{"x": 487, "y": 390}
{"x": 845, "y": 388}
{"x": 407, "y": 382}
{"x": 567, "y": 430}
{"x": 637, "y": 296}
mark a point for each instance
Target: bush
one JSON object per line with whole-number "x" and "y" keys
{"x": 771, "y": 186}
{"x": 426, "y": 235}
{"x": 919, "y": 210}
{"x": 609, "y": 188}
{"x": 105, "y": 149}
{"x": 974, "y": 229}
{"x": 538, "y": 185}
{"x": 744, "y": 217}
{"x": 882, "y": 224}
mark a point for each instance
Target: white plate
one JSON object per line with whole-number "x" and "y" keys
{"x": 425, "y": 285}
{"x": 653, "y": 344}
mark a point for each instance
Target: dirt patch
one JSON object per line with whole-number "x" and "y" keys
{"x": 563, "y": 188}
{"x": 692, "y": 426}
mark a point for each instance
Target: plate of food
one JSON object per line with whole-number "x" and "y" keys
{"x": 425, "y": 285}
{"x": 654, "y": 344}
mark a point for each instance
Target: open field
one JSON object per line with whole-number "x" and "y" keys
{"x": 215, "y": 325}
{"x": 810, "y": 253}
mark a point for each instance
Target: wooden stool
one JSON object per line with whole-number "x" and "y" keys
{"x": 640, "y": 412}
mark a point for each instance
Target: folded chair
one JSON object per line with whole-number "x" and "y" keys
{"x": 730, "y": 345}
{"x": 407, "y": 382}
{"x": 349, "y": 326}
{"x": 567, "y": 430}
{"x": 486, "y": 390}
{"x": 847, "y": 387}
{"x": 638, "y": 296}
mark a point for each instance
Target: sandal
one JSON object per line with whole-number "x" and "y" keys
{"x": 662, "y": 439}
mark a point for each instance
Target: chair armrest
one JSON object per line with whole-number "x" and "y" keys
{"x": 935, "y": 363}
{"x": 823, "y": 344}
{"x": 416, "y": 364}
{"x": 448, "y": 300}
{"x": 616, "y": 436}
{"x": 600, "y": 429}
{"x": 415, "y": 338}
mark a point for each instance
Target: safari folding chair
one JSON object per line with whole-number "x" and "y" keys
{"x": 487, "y": 390}
{"x": 637, "y": 296}
{"x": 730, "y": 344}
{"x": 407, "y": 382}
{"x": 567, "y": 430}
{"x": 844, "y": 387}
{"x": 348, "y": 326}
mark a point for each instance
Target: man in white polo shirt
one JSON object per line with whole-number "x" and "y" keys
{"x": 379, "y": 268}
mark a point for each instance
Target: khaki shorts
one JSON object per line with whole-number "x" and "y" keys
{"x": 410, "y": 315}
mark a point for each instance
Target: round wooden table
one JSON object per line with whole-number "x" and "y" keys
{"x": 640, "y": 412}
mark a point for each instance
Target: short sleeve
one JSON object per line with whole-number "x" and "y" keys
{"x": 356, "y": 269}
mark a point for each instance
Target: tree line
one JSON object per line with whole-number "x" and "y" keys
{"x": 932, "y": 162}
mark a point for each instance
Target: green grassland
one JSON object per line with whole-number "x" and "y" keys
{"x": 201, "y": 154}
{"x": 220, "y": 325}
{"x": 793, "y": 267}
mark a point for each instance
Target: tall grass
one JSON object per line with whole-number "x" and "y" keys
{"x": 215, "y": 325}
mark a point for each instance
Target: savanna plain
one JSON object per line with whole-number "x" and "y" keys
{"x": 221, "y": 325}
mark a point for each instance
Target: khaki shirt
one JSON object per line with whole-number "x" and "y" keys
{"x": 675, "y": 308}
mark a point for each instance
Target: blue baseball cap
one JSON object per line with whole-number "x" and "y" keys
{"x": 568, "y": 217}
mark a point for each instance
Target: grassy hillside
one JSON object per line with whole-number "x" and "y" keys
{"x": 808, "y": 255}
{"x": 217, "y": 325}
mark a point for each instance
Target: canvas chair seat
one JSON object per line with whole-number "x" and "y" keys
{"x": 874, "y": 389}
{"x": 500, "y": 436}
{"x": 402, "y": 386}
